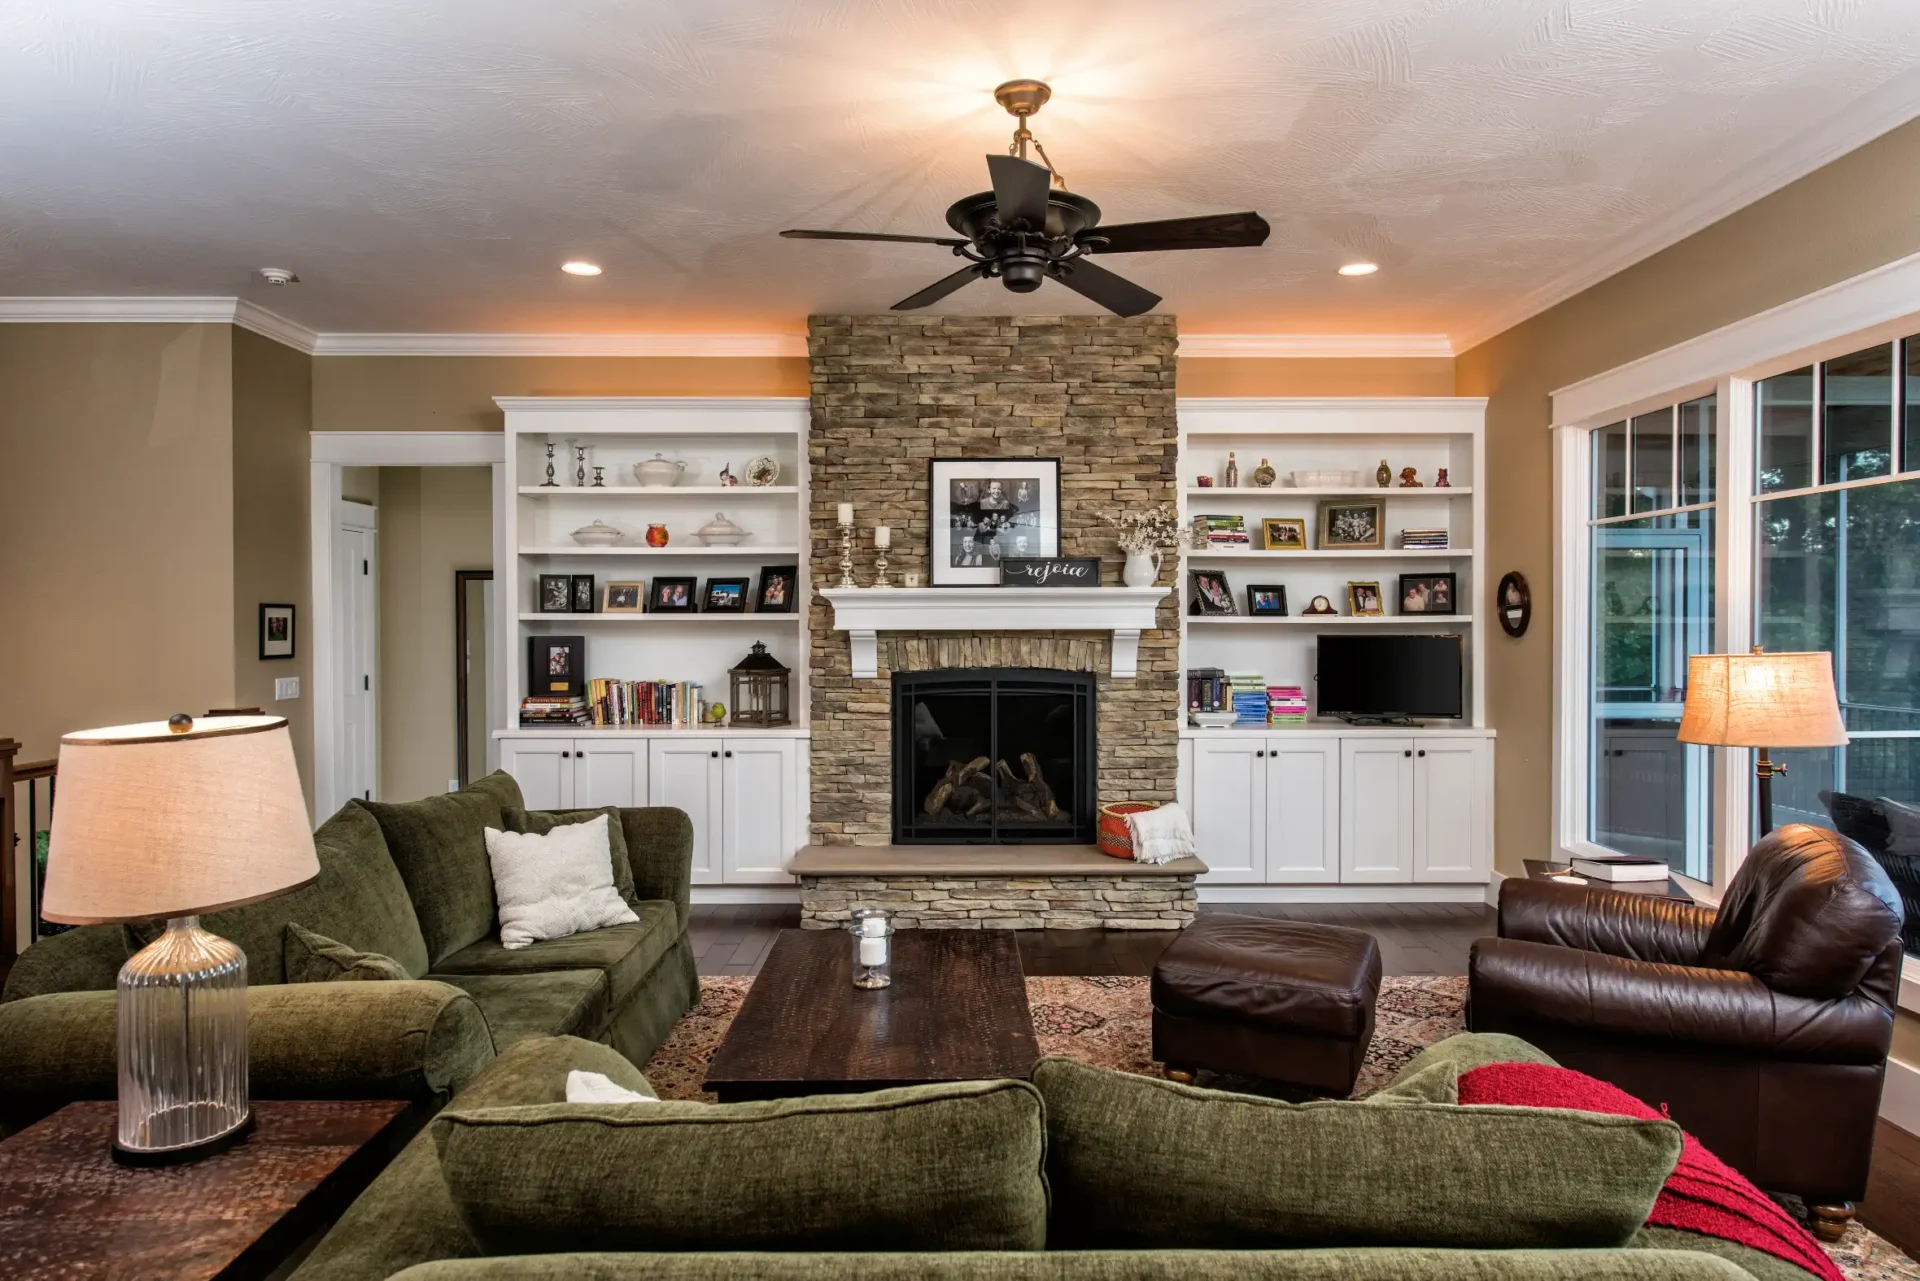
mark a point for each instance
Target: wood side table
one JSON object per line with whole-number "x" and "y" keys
{"x": 1540, "y": 869}
{"x": 68, "y": 1210}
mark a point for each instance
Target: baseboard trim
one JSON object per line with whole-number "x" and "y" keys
{"x": 1900, "y": 1101}
{"x": 726, "y": 895}
{"x": 1468, "y": 893}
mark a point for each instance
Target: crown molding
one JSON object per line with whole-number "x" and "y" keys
{"x": 270, "y": 324}
{"x": 1886, "y": 107}
{"x": 1244, "y": 346}
{"x": 561, "y": 345}
{"x": 185, "y": 310}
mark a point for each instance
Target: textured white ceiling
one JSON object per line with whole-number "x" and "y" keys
{"x": 426, "y": 164}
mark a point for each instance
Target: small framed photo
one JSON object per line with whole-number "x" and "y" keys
{"x": 582, "y": 593}
{"x": 779, "y": 589}
{"x": 1427, "y": 593}
{"x": 1286, "y": 534}
{"x": 556, "y": 594}
{"x": 724, "y": 596}
{"x": 276, "y": 631}
{"x": 1363, "y": 599}
{"x": 1211, "y": 595}
{"x": 672, "y": 596}
{"x": 1352, "y": 523}
{"x": 623, "y": 598}
{"x": 556, "y": 666}
{"x": 1270, "y": 601}
{"x": 984, "y": 509}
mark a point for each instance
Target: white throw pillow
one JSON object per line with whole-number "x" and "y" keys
{"x": 553, "y": 884}
{"x": 598, "y": 1087}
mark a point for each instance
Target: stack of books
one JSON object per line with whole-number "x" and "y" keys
{"x": 1621, "y": 867}
{"x": 555, "y": 710}
{"x": 1206, "y": 689}
{"x": 1223, "y": 531}
{"x": 622, "y": 703}
{"x": 1286, "y": 705}
{"x": 1248, "y": 691}
{"x": 1413, "y": 539}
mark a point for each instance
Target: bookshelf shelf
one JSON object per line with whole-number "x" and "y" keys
{"x": 661, "y": 491}
{"x": 661, "y": 619}
{"x": 1418, "y": 553}
{"x": 667, "y": 551}
{"x": 1441, "y": 621}
{"x": 1362, "y": 491}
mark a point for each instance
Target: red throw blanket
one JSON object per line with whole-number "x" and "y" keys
{"x": 1704, "y": 1194}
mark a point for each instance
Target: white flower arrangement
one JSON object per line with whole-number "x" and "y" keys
{"x": 1148, "y": 529}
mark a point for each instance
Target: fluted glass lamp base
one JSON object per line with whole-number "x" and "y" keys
{"x": 183, "y": 1047}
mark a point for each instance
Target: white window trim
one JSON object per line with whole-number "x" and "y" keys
{"x": 1875, "y": 306}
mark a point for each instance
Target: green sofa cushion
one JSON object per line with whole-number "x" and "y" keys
{"x": 1143, "y": 1163}
{"x": 1132, "y": 1265}
{"x": 540, "y": 822}
{"x": 315, "y": 958}
{"x": 933, "y": 1167}
{"x": 440, "y": 847}
{"x": 624, "y": 952}
{"x": 557, "y": 1003}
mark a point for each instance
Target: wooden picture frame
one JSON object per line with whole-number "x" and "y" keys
{"x": 1513, "y": 603}
{"x": 1358, "y": 524}
{"x": 1364, "y": 600}
{"x": 1267, "y": 600}
{"x": 1211, "y": 594}
{"x": 779, "y": 590}
{"x": 277, "y": 639}
{"x": 725, "y": 596}
{"x": 1429, "y": 593}
{"x": 1284, "y": 534}
{"x": 625, "y": 597}
{"x": 673, "y": 595}
{"x": 981, "y": 510}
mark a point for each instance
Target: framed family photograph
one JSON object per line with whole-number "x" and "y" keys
{"x": 1363, "y": 600}
{"x": 276, "y": 631}
{"x": 556, "y": 594}
{"x": 724, "y": 596}
{"x": 623, "y": 598}
{"x": 556, "y": 665}
{"x": 1284, "y": 535}
{"x": 1211, "y": 595}
{"x": 1427, "y": 593}
{"x": 672, "y": 596}
{"x": 985, "y": 509}
{"x": 1352, "y": 523}
{"x": 1268, "y": 600}
{"x": 779, "y": 589}
{"x": 582, "y": 593}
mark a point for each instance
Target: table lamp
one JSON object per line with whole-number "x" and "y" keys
{"x": 1762, "y": 700}
{"x": 171, "y": 819}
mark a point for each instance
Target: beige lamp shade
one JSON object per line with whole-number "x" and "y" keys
{"x": 1762, "y": 700}
{"x": 152, "y": 822}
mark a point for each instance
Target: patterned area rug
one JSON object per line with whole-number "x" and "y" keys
{"x": 1107, "y": 1022}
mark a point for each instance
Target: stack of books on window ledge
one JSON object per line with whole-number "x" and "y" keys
{"x": 1223, "y": 531}
{"x": 537, "y": 710}
{"x": 1207, "y": 698}
{"x": 1249, "y": 693}
{"x": 1416, "y": 539}
{"x": 1286, "y": 705}
{"x": 621, "y": 703}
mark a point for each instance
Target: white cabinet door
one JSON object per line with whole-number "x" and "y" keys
{"x": 1376, "y": 810}
{"x": 685, "y": 773}
{"x": 1450, "y": 838}
{"x": 1303, "y": 810}
{"x": 1230, "y": 809}
{"x": 609, "y": 772}
{"x": 544, "y": 769}
{"x": 759, "y": 796}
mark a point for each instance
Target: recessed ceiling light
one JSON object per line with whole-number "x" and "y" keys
{"x": 1359, "y": 268}
{"x": 580, "y": 268}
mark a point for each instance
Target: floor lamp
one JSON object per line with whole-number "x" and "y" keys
{"x": 1762, "y": 700}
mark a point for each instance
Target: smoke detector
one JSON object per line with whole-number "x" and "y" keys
{"x": 279, "y": 276}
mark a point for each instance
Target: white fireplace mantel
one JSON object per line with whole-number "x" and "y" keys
{"x": 864, "y": 612}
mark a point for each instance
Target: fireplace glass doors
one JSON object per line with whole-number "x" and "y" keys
{"x": 997, "y": 756}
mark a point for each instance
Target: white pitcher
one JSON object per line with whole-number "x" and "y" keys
{"x": 1142, "y": 569}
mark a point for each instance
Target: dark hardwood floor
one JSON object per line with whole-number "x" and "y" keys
{"x": 1426, "y": 938}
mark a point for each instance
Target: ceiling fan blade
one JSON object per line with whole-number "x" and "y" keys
{"x": 1116, "y": 293}
{"x": 942, "y": 287}
{"x": 873, "y": 235}
{"x": 1020, "y": 190}
{"x": 1208, "y": 231}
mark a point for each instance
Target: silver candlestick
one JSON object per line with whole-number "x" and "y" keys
{"x": 846, "y": 557}
{"x": 549, "y": 482}
{"x": 880, "y": 566}
{"x": 580, "y": 465}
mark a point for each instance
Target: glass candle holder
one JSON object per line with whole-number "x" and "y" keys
{"x": 872, "y": 930}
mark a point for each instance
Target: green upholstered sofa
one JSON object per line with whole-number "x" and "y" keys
{"x": 409, "y": 881}
{"x": 793, "y": 1171}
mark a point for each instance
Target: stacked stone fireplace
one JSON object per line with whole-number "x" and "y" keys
{"x": 890, "y": 394}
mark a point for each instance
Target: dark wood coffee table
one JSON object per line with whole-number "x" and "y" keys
{"x": 957, "y": 1011}
{"x": 68, "y": 1210}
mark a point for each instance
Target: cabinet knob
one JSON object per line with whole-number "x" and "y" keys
{"x": 583, "y": 755}
{"x": 1423, "y": 751}
{"x": 1259, "y": 753}
{"x": 565, "y": 755}
{"x": 729, "y": 755}
{"x": 1409, "y": 752}
{"x": 715, "y": 755}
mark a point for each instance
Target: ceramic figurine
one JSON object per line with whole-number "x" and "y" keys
{"x": 1409, "y": 478}
{"x": 1264, "y": 475}
{"x": 1203, "y": 482}
{"x": 727, "y": 478}
{"x": 656, "y": 535}
{"x": 1383, "y": 475}
{"x": 1443, "y": 482}
{"x": 1232, "y": 480}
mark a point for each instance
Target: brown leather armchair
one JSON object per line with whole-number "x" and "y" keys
{"x": 1763, "y": 1028}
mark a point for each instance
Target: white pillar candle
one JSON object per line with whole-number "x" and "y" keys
{"x": 873, "y": 952}
{"x": 846, "y": 513}
{"x": 882, "y": 536}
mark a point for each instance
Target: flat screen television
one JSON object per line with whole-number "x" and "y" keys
{"x": 1366, "y": 678}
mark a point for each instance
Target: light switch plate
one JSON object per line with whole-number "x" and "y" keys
{"x": 285, "y": 687}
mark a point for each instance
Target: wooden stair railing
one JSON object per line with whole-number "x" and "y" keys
{"x": 15, "y": 775}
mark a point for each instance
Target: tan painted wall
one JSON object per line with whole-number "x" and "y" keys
{"x": 1856, "y": 213}
{"x": 272, "y": 413}
{"x": 1209, "y": 376}
{"x": 433, "y": 520}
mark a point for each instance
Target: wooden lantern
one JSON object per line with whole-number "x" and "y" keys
{"x": 762, "y": 690}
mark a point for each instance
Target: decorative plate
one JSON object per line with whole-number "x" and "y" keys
{"x": 762, "y": 471}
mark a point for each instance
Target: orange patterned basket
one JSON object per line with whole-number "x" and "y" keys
{"x": 1113, "y": 836}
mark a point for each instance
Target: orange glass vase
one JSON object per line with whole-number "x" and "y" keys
{"x": 656, "y": 535}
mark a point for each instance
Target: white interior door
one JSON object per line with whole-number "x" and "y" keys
{"x": 685, "y": 773}
{"x": 1230, "y": 809}
{"x": 1450, "y": 810}
{"x": 357, "y": 620}
{"x": 1376, "y": 810}
{"x": 759, "y": 789}
{"x": 1303, "y": 810}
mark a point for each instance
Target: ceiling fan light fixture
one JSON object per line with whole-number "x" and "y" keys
{"x": 577, "y": 267}
{"x": 1359, "y": 268}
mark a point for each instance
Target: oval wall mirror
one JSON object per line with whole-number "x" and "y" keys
{"x": 1513, "y": 602}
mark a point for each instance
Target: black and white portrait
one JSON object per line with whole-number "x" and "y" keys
{"x": 989, "y": 509}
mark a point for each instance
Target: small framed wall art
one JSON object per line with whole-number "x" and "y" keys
{"x": 1050, "y": 571}
{"x": 1270, "y": 601}
{"x": 724, "y": 596}
{"x": 555, "y": 594}
{"x": 1426, "y": 593}
{"x": 982, "y": 510}
{"x": 1284, "y": 534}
{"x": 623, "y": 598}
{"x": 582, "y": 593}
{"x": 1354, "y": 523}
{"x": 556, "y": 666}
{"x": 672, "y": 596}
{"x": 1211, "y": 595}
{"x": 1363, "y": 600}
{"x": 276, "y": 631}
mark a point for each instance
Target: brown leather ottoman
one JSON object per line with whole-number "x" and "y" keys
{"x": 1289, "y": 1001}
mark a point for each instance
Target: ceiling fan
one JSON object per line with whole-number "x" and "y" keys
{"x": 1030, "y": 228}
